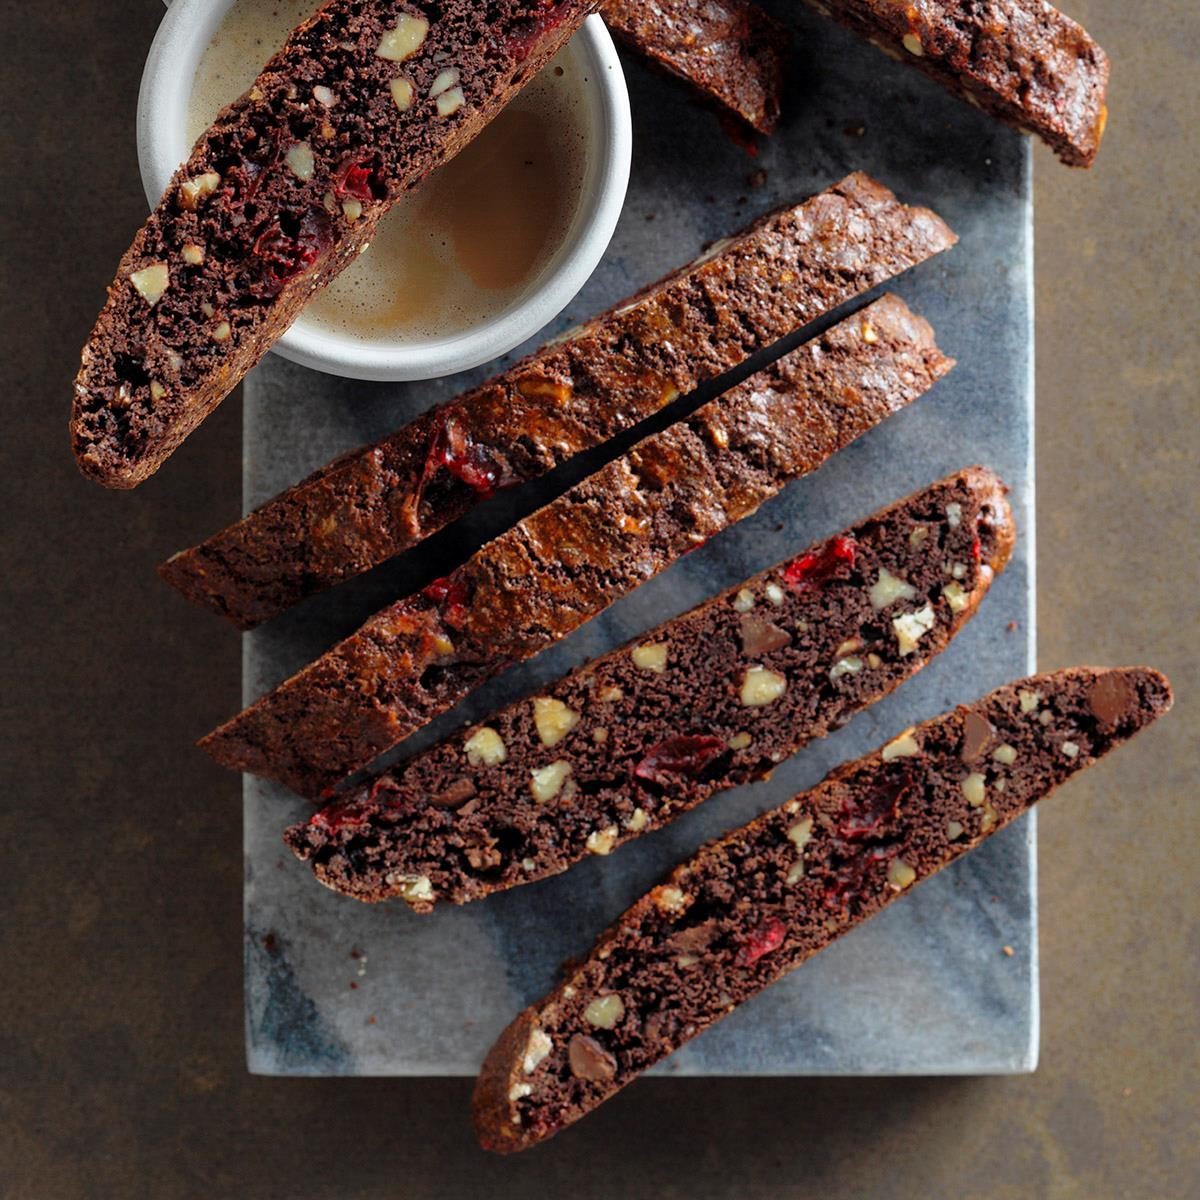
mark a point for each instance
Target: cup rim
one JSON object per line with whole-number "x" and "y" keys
{"x": 162, "y": 143}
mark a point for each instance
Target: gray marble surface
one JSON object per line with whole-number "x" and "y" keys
{"x": 335, "y": 987}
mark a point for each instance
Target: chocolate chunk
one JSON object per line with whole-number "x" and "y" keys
{"x": 1112, "y": 698}
{"x": 459, "y": 792}
{"x": 698, "y": 937}
{"x": 760, "y": 636}
{"x": 976, "y": 735}
{"x": 589, "y": 1060}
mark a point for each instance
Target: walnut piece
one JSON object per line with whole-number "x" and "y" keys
{"x": 403, "y": 92}
{"x": 637, "y": 820}
{"x": 801, "y": 833}
{"x": 546, "y": 782}
{"x": 845, "y": 666}
{"x": 485, "y": 748}
{"x": 974, "y": 788}
{"x": 414, "y": 888}
{"x": 553, "y": 719}
{"x": 300, "y": 161}
{"x": 743, "y": 602}
{"x": 902, "y": 746}
{"x": 761, "y": 687}
{"x": 192, "y": 191}
{"x": 444, "y": 81}
{"x": 605, "y": 1012}
{"x": 450, "y": 102}
{"x": 651, "y": 656}
{"x": 911, "y": 627}
{"x": 536, "y": 1049}
{"x": 889, "y": 588}
{"x": 956, "y": 597}
{"x": 404, "y": 39}
{"x": 669, "y": 899}
{"x": 602, "y": 841}
{"x": 151, "y": 282}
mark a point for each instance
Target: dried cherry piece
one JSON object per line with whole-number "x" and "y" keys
{"x": 359, "y": 177}
{"x": 243, "y": 179}
{"x": 468, "y": 461}
{"x": 848, "y": 881}
{"x": 341, "y": 813}
{"x": 765, "y": 937}
{"x": 866, "y": 817}
{"x": 810, "y": 569}
{"x": 687, "y": 754}
{"x": 552, "y": 15}
{"x": 282, "y": 256}
{"x": 451, "y": 595}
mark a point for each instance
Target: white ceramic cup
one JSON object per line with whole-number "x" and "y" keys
{"x": 163, "y": 144}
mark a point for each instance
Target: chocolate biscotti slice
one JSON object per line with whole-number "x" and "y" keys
{"x": 785, "y": 270}
{"x": 710, "y": 700}
{"x": 1022, "y": 61}
{"x": 567, "y": 562}
{"x": 755, "y": 904}
{"x": 730, "y": 50}
{"x": 284, "y": 190}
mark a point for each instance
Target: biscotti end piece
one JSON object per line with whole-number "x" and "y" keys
{"x": 732, "y": 52}
{"x": 279, "y": 195}
{"x": 1022, "y": 61}
{"x": 754, "y": 905}
{"x": 575, "y": 393}
{"x": 710, "y": 700}
{"x": 570, "y": 560}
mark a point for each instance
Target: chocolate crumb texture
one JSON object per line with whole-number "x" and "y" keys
{"x": 754, "y": 905}
{"x": 786, "y": 269}
{"x": 1022, "y": 61}
{"x": 280, "y": 194}
{"x": 567, "y": 562}
{"x": 710, "y": 700}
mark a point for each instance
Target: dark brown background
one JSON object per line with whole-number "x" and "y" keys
{"x": 121, "y": 1070}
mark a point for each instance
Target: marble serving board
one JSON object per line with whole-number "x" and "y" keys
{"x": 334, "y": 987}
